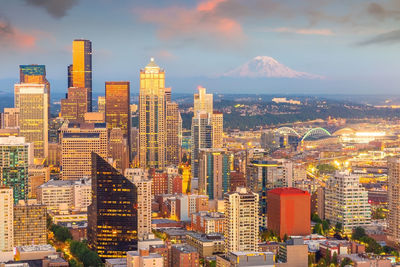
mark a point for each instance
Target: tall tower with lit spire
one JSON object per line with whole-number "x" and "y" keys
{"x": 152, "y": 117}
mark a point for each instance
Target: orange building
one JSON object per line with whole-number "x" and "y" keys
{"x": 289, "y": 211}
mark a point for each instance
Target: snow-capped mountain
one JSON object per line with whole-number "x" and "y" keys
{"x": 264, "y": 66}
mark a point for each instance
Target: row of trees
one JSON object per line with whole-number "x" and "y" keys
{"x": 81, "y": 251}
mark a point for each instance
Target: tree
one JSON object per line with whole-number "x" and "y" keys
{"x": 61, "y": 233}
{"x": 325, "y": 225}
{"x": 285, "y": 237}
{"x": 317, "y": 229}
{"x": 328, "y": 258}
{"x": 334, "y": 258}
{"x": 315, "y": 218}
{"x": 345, "y": 261}
{"x": 358, "y": 233}
{"x": 338, "y": 227}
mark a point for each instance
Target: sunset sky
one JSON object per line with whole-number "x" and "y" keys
{"x": 354, "y": 45}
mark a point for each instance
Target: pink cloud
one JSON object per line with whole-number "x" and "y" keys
{"x": 325, "y": 32}
{"x": 165, "y": 54}
{"x": 200, "y": 22}
{"x": 15, "y": 38}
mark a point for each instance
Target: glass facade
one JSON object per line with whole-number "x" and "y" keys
{"x": 112, "y": 216}
{"x": 14, "y": 169}
{"x": 82, "y": 67}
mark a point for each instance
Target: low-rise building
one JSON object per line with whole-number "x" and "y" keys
{"x": 249, "y": 258}
{"x": 208, "y": 222}
{"x": 206, "y": 244}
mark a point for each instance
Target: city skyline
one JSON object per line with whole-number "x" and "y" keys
{"x": 306, "y": 37}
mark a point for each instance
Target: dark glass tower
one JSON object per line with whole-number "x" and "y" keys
{"x": 112, "y": 216}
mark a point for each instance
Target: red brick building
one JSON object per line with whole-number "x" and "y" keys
{"x": 159, "y": 182}
{"x": 289, "y": 211}
{"x": 185, "y": 256}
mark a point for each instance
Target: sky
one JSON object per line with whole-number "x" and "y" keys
{"x": 353, "y": 45}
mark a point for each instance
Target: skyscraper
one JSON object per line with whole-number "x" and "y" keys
{"x": 346, "y": 201}
{"x": 74, "y": 107}
{"x": 101, "y": 104}
{"x": 217, "y": 121}
{"x": 139, "y": 177}
{"x": 173, "y": 126}
{"x": 118, "y": 149}
{"x": 33, "y": 118}
{"x": 264, "y": 175}
{"x": 30, "y": 223}
{"x": 112, "y": 216}
{"x": 241, "y": 220}
{"x": 78, "y": 141}
{"x": 6, "y": 225}
{"x": 214, "y": 173}
{"x": 201, "y": 138}
{"x": 152, "y": 128}
{"x": 118, "y": 113}
{"x": 14, "y": 162}
{"x": 203, "y": 101}
{"x": 82, "y": 67}
{"x": 34, "y": 74}
{"x": 393, "y": 218}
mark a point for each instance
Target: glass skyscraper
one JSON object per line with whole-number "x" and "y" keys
{"x": 112, "y": 216}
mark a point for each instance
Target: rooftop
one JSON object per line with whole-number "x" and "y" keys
{"x": 32, "y": 248}
{"x": 288, "y": 191}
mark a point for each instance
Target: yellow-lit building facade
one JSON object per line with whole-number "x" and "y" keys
{"x": 33, "y": 118}
{"x": 152, "y": 117}
{"x": 82, "y": 67}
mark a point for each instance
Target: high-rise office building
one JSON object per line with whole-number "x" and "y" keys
{"x": 241, "y": 220}
{"x": 264, "y": 175}
{"x": 203, "y": 101}
{"x": 33, "y": 118}
{"x": 6, "y": 225}
{"x": 15, "y": 156}
{"x": 112, "y": 216}
{"x": 287, "y": 207}
{"x": 34, "y": 74}
{"x": 10, "y": 117}
{"x": 74, "y": 107}
{"x": 78, "y": 141}
{"x": 346, "y": 201}
{"x": 118, "y": 149}
{"x": 173, "y": 127}
{"x": 217, "y": 121}
{"x": 118, "y": 107}
{"x": 69, "y": 71}
{"x": 81, "y": 68}
{"x": 30, "y": 223}
{"x": 201, "y": 138}
{"x": 101, "y": 104}
{"x": 393, "y": 218}
{"x": 214, "y": 173}
{"x": 139, "y": 177}
{"x": 152, "y": 117}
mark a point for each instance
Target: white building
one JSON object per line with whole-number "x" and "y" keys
{"x": 346, "y": 201}
{"x": 60, "y": 195}
{"x": 241, "y": 220}
{"x": 139, "y": 177}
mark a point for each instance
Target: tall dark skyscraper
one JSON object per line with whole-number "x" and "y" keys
{"x": 82, "y": 67}
{"x": 112, "y": 216}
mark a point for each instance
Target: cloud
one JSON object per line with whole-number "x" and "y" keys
{"x": 164, "y": 54}
{"x": 13, "y": 37}
{"x": 201, "y": 22}
{"x": 381, "y": 13}
{"x": 305, "y": 31}
{"x": 391, "y": 37}
{"x": 56, "y": 8}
